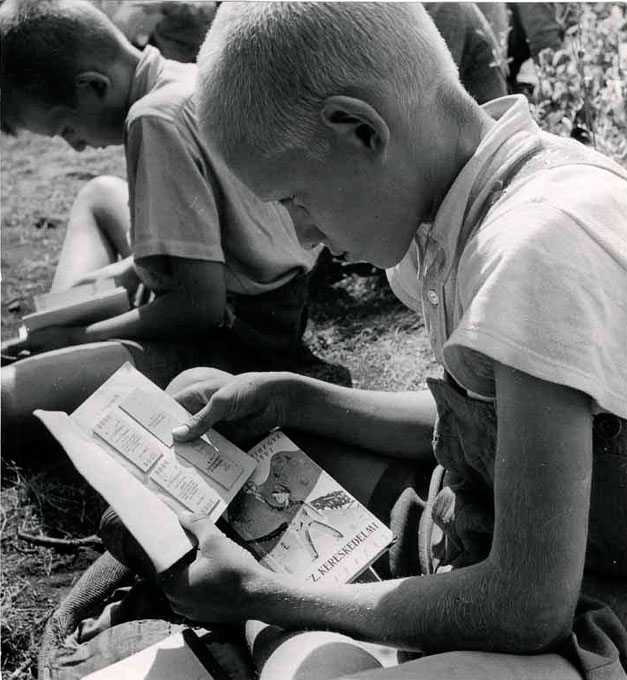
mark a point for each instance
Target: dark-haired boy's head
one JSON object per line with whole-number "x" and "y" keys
{"x": 351, "y": 114}
{"x": 64, "y": 69}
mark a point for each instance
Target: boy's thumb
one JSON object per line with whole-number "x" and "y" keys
{"x": 198, "y": 424}
{"x": 198, "y": 525}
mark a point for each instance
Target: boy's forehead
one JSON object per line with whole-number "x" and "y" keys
{"x": 276, "y": 176}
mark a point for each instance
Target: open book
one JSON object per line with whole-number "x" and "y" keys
{"x": 83, "y": 304}
{"x": 283, "y": 507}
{"x": 120, "y": 440}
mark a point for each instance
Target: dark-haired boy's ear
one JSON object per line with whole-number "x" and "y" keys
{"x": 356, "y": 122}
{"x": 98, "y": 82}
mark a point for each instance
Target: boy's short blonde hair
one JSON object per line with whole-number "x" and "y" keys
{"x": 45, "y": 43}
{"x": 266, "y": 68}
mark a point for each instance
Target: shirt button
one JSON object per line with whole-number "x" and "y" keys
{"x": 433, "y": 298}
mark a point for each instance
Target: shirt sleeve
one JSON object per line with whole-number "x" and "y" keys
{"x": 173, "y": 209}
{"x": 544, "y": 295}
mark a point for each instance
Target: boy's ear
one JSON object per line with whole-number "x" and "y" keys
{"x": 356, "y": 122}
{"x": 93, "y": 81}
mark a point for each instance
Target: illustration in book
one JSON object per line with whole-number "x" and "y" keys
{"x": 297, "y": 519}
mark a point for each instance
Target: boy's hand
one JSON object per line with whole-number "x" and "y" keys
{"x": 13, "y": 347}
{"x": 214, "y": 587}
{"x": 122, "y": 273}
{"x": 253, "y": 403}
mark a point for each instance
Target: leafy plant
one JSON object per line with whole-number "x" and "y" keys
{"x": 582, "y": 88}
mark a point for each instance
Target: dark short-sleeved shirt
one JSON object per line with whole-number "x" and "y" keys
{"x": 186, "y": 203}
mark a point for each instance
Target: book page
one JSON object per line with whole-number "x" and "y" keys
{"x": 184, "y": 487}
{"x": 156, "y": 527}
{"x": 62, "y": 298}
{"x": 298, "y": 520}
{"x": 133, "y": 419}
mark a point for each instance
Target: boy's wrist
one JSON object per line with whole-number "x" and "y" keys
{"x": 263, "y": 591}
{"x": 294, "y": 397}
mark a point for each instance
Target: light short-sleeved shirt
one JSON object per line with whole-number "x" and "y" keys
{"x": 187, "y": 204}
{"x": 526, "y": 264}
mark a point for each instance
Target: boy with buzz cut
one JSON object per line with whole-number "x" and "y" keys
{"x": 227, "y": 275}
{"x": 512, "y": 243}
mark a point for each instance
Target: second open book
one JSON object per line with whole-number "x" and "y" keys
{"x": 290, "y": 513}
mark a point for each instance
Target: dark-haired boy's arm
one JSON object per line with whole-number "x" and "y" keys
{"x": 520, "y": 600}
{"x": 121, "y": 272}
{"x": 194, "y": 308}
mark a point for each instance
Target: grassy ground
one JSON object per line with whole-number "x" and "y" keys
{"x": 357, "y": 328}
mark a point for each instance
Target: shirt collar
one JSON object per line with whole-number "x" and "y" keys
{"x": 146, "y": 74}
{"x": 505, "y": 142}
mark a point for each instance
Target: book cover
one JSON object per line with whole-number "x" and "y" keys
{"x": 298, "y": 520}
{"x": 120, "y": 440}
{"x": 87, "y": 303}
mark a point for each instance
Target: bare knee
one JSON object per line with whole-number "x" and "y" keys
{"x": 316, "y": 655}
{"x": 102, "y": 194}
{"x": 192, "y": 376}
{"x": 7, "y": 380}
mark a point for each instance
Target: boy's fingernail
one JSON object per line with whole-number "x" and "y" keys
{"x": 181, "y": 431}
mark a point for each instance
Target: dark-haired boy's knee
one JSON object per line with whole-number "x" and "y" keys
{"x": 192, "y": 376}
{"x": 101, "y": 192}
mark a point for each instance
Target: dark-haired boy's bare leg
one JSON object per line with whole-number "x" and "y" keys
{"x": 97, "y": 231}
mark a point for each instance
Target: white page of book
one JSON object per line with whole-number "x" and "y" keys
{"x": 156, "y": 527}
{"x": 170, "y": 659}
{"x": 132, "y": 419}
{"x": 61, "y": 298}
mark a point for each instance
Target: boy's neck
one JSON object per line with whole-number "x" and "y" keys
{"x": 127, "y": 66}
{"x": 455, "y": 146}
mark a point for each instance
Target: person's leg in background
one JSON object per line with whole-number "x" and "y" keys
{"x": 64, "y": 378}
{"x": 97, "y": 231}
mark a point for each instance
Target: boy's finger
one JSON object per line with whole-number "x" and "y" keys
{"x": 198, "y": 424}
{"x": 199, "y": 525}
{"x": 190, "y": 399}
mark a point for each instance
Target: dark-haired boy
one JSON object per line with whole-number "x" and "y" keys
{"x": 228, "y": 275}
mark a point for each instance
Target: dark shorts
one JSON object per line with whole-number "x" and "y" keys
{"x": 263, "y": 334}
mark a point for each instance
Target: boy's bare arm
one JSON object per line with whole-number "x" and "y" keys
{"x": 183, "y": 314}
{"x": 122, "y": 272}
{"x": 521, "y": 599}
{"x": 249, "y": 405}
